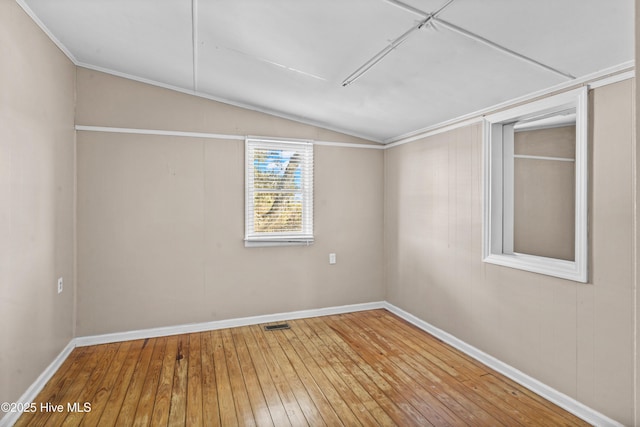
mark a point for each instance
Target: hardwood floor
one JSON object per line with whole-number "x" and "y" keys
{"x": 368, "y": 368}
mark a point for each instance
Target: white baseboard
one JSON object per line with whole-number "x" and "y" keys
{"x": 32, "y": 392}
{"x": 562, "y": 400}
{"x": 222, "y": 324}
{"x": 30, "y": 395}
{"x": 580, "y": 410}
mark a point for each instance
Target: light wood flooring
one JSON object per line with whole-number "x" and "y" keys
{"x": 368, "y": 368}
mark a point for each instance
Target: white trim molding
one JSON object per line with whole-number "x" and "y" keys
{"x": 206, "y": 135}
{"x": 611, "y": 79}
{"x": 160, "y": 132}
{"x": 498, "y": 216}
{"x": 562, "y": 400}
{"x": 609, "y": 75}
{"x": 222, "y": 100}
{"x": 47, "y": 31}
{"x": 31, "y": 393}
{"x": 223, "y": 324}
{"x": 568, "y": 403}
{"x": 605, "y": 77}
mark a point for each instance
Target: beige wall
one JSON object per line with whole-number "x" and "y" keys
{"x": 577, "y": 338}
{"x": 106, "y": 100}
{"x": 544, "y": 193}
{"x": 160, "y": 229}
{"x": 161, "y": 219}
{"x": 36, "y": 201}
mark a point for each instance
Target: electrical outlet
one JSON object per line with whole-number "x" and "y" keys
{"x": 60, "y": 285}
{"x": 332, "y": 258}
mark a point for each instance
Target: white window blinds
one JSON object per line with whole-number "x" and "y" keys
{"x": 279, "y": 191}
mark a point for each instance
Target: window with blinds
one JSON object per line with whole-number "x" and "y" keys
{"x": 279, "y": 192}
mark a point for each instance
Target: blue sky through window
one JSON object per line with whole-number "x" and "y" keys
{"x": 276, "y": 162}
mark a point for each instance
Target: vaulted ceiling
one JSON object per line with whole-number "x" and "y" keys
{"x": 418, "y": 62}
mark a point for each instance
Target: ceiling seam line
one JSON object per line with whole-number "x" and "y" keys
{"x": 408, "y": 8}
{"x": 433, "y": 17}
{"x": 194, "y": 40}
{"x": 498, "y": 47}
{"x": 395, "y": 43}
{"x": 417, "y": 11}
{"x": 381, "y": 54}
{"x": 437, "y": 12}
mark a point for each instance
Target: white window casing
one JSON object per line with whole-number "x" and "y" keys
{"x": 498, "y": 212}
{"x": 278, "y": 192}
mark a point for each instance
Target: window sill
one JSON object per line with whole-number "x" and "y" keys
{"x": 271, "y": 243}
{"x": 569, "y": 270}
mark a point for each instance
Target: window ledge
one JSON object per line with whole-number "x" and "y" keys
{"x": 569, "y": 270}
{"x": 269, "y": 243}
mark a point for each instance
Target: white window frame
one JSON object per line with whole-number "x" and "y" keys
{"x": 304, "y": 237}
{"x": 498, "y": 198}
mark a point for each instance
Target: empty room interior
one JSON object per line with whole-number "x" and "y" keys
{"x": 358, "y": 212}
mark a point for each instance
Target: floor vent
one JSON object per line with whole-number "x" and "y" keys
{"x": 277, "y": 327}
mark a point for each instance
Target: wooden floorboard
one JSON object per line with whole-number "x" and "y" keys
{"x": 144, "y": 408}
{"x": 368, "y": 368}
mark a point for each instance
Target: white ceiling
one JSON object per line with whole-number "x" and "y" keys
{"x": 290, "y": 57}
